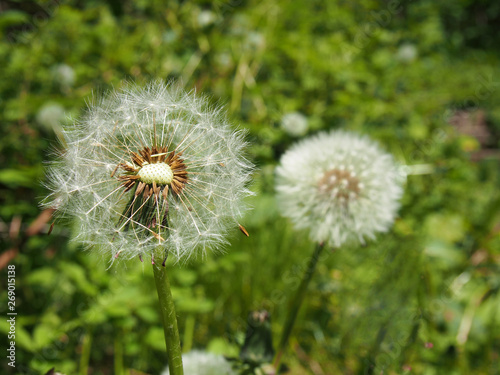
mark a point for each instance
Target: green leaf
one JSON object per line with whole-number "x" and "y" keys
{"x": 446, "y": 227}
{"x": 44, "y": 277}
{"x": 12, "y": 18}
{"x": 43, "y": 336}
{"x": 147, "y": 313}
{"x": 155, "y": 339}
{"x": 78, "y": 275}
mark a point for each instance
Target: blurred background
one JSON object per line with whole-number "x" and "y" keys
{"x": 421, "y": 77}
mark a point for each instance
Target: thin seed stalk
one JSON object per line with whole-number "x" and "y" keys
{"x": 169, "y": 318}
{"x": 86, "y": 349}
{"x": 295, "y": 304}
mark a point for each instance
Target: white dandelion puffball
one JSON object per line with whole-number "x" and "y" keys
{"x": 407, "y": 53}
{"x": 151, "y": 167}
{"x": 50, "y": 115}
{"x": 294, "y": 123}
{"x": 339, "y": 185}
{"x": 197, "y": 362}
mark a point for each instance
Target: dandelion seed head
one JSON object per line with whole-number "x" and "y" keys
{"x": 50, "y": 115}
{"x": 197, "y": 362}
{"x": 407, "y": 53}
{"x": 64, "y": 75}
{"x": 340, "y": 186}
{"x": 206, "y": 18}
{"x": 295, "y": 124}
{"x": 149, "y": 167}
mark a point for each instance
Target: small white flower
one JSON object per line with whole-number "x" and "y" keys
{"x": 340, "y": 186}
{"x": 202, "y": 363}
{"x": 294, "y": 123}
{"x": 150, "y": 167}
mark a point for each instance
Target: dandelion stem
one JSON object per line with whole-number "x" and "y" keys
{"x": 86, "y": 348}
{"x": 295, "y": 305}
{"x": 118, "y": 354}
{"x": 169, "y": 319}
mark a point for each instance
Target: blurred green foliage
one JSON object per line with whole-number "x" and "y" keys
{"x": 423, "y": 298}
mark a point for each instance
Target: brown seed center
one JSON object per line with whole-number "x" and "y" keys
{"x": 339, "y": 183}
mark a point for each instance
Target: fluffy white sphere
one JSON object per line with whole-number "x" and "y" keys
{"x": 151, "y": 167}
{"x": 295, "y": 124}
{"x": 340, "y": 186}
{"x": 202, "y": 363}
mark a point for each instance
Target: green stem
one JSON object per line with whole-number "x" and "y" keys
{"x": 85, "y": 358}
{"x": 118, "y": 355}
{"x": 189, "y": 333}
{"x": 295, "y": 305}
{"x": 169, "y": 319}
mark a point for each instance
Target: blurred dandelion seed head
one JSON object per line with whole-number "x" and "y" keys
{"x": 197, "y": 362}
{"x": 294, "y": 123}
{"x": 50, "y": 115}
{"x": 206, "y": 18}
{"x": 64, "y": 75}
{"x": 348, "y": 188}
{"x": 149, "y": 167}
{"x": 407, "y": 53}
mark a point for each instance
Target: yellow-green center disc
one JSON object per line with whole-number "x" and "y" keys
{"x": 161, "y": 173}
